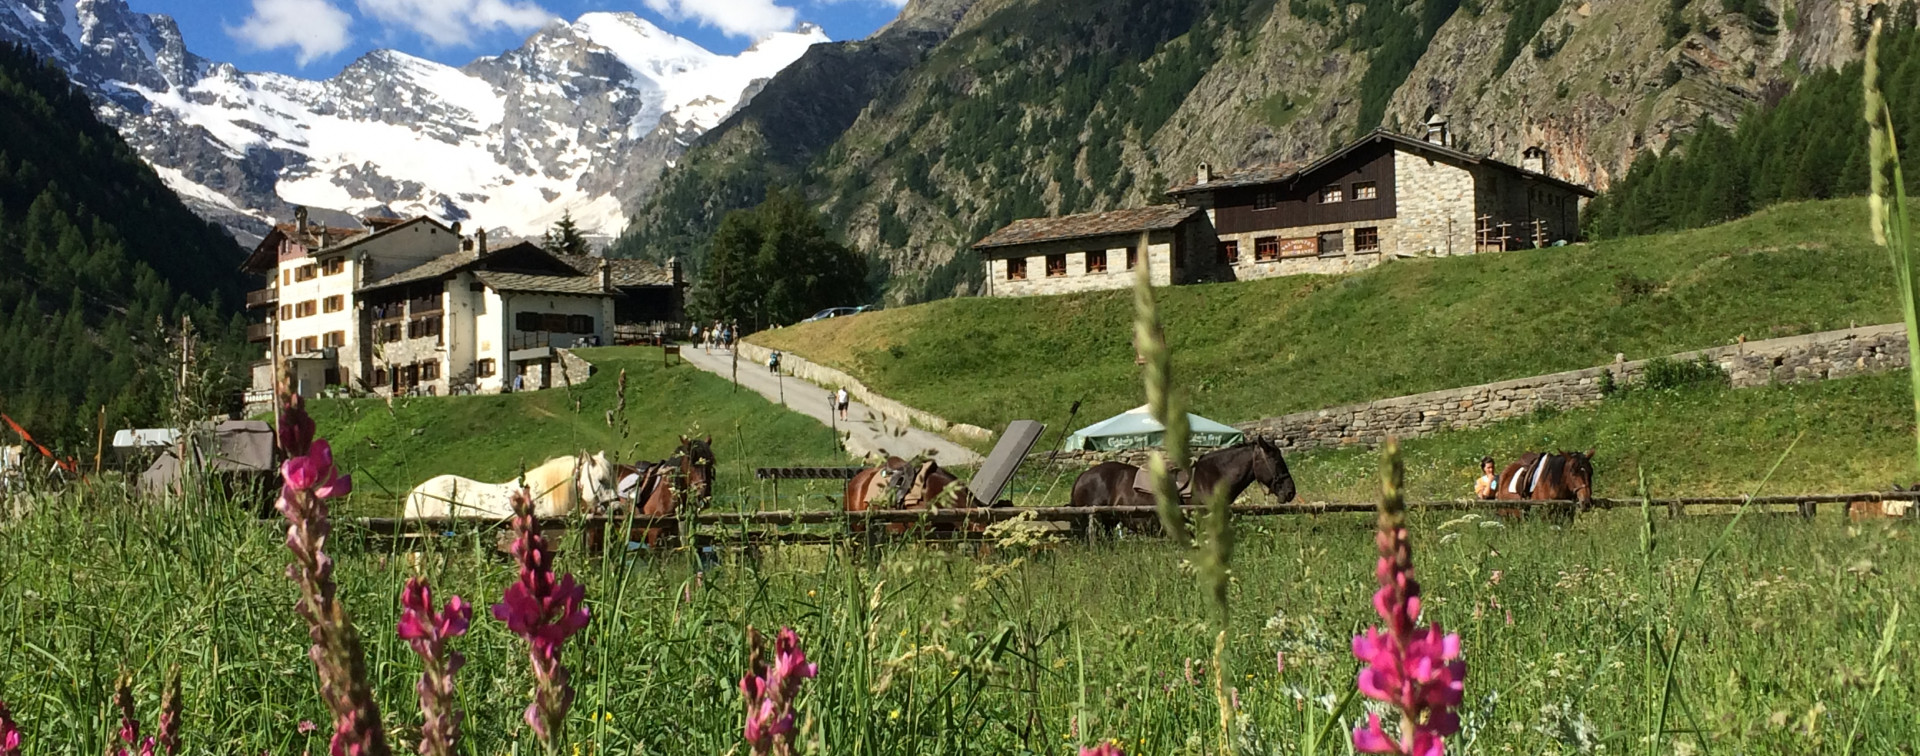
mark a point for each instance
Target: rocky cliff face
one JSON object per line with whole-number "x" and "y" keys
{"x": 580, "y": 118}
{"x": 1032, "y": 107}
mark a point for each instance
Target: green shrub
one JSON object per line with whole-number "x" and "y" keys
{"x": 1662, "y": 374}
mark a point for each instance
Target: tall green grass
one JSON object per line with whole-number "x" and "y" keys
{"x": 928, "y": 651}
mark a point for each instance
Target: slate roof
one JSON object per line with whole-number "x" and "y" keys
{"x": 626, "y": 272}
{"x": 431, "y": 269}
{"x": 589, "y": 285}
{"x": 1282, "y": 172}
{"x": 1088, "y": 225}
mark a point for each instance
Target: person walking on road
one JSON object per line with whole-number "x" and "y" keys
{"x": 840, "y": 402}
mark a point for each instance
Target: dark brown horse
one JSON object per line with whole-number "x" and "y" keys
{"x": 680, "y": 483}
{"x": 939, "y": 489}
{"x": 1543, "y": 476}
{"x": 1233, "y": 469}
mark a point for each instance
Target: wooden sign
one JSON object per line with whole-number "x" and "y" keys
{"x": 1298, "y": 247}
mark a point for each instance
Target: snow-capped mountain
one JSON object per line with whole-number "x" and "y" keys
{"x": 580, "y": 118}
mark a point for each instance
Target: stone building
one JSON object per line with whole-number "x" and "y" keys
{"x": 1098, "y": 251}
{"x": 1383, "y": 194}
{"x": 412, "y": 306}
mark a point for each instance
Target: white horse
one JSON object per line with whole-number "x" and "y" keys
{"x": 559, "y": 487}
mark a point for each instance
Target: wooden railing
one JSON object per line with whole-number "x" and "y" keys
{"x": 263, "y": 297}
{"x": 259, "y": 332}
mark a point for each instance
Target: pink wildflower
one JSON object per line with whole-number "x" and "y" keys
{"x": 9, "y": 732}
{"x": 1415, "y": 669}
{"x": 309, "y": 480}
{"x": 1279, "y": 662}
{"x": 170, "y": 713}
{"x": 427, "y": 631}
{"x": 306, "y": 726}
{"x": 545, "y": 613}
{"x": 1107, "y": 748}
{"x": 770, "y": 691}
{"x": 129, "y": 720}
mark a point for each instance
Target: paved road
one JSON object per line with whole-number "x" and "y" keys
{"x": 864, "y": 430}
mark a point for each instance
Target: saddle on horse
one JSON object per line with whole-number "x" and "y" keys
{"x": 1182, "y": 482}
{"x": 1532, "y": 465}
{"x": 902, "y": 487}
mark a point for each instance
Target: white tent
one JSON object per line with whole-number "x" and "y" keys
{"x": 1136, "y": 429}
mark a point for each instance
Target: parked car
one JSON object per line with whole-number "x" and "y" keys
{"x": 867, "y": 308}
{"x": 831, "y": 312}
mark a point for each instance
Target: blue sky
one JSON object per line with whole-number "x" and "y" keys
{"x": 316, "y": 38}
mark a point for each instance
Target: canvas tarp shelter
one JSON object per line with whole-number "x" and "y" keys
{"x": 1136, "y": 429}
{"x": 232, "y": 446}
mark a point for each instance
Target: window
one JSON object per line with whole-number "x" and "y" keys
{"x": 429, "y": 370}
{"x": 310, "y": 344}
{"x": 1366, "y": 190}
{"x": 334, "y": 303}
{"x": 1229, "y": 252}
{"x": 484, "y": 369}
{"x": 1266, "y": 249}
{"x": 305, "y": 309}
{"x": 1330, "y": 195}
{"x": 286, "y": 276}
{"x": 1366, "y": 239}
{"x": 1133, "y": 257}
{"x": 1332, "y": 242}
{"x": 379, "y": 376}
{"x": 526, "y": 321}
{"x": 306, "y": 272}
{"x": 423, "y": 328}
{"x": 1056, "y": 266}
{"x": 1017, "y": 269}
{"x": 286, "y": 347}
{"x": 553, "y": 322}
{"x": 580, "y": 324}
{"x": 385, "y": 332}
{"x": 1266, "y": 200}
{"x": 330, "y": 376}
{"x": 286, "y": 312}
{"x": 335, "y": 339}
{"x": 1097, "y": 261}
{"x": 334, "y": 266}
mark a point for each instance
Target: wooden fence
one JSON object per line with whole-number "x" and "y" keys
{"x": 1078, "y": 517}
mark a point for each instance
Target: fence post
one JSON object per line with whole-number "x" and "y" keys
{"x": 1807, "y": 509}
{"x": 1675, "y": 509}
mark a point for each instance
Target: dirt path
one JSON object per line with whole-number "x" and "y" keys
{"x": 865, "y": 432}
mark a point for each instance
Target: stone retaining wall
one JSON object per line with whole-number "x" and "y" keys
{"x": 892, "y": 411}
{"x": 1794, "y": 359}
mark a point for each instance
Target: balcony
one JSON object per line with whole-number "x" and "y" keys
{"x": 263, "y": 297}
{"x": 259, "y": 333}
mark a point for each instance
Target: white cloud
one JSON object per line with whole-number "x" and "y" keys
{"x": 315, "y": 27}
{"x": 893, "y": 3}
{"x": 455, "y": 23}
{"x": 739, "y": 18}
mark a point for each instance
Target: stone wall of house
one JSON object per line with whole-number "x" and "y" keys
{"x": 829, "y": 378}
{"x": 1434, "y": 205}
{"x": 1347, "y": 260}
{"x": 1159, "y": 258}
{"x": 1794, "y": 359}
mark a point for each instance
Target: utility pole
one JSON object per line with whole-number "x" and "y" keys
{"x": 99, "y": 438}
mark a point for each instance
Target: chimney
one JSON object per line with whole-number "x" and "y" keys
{"x": 1534, "y": 159}
{"x": 606, "y": 275}
{"x": 480, "y": 242}
{"x": 300, "y": 223}
{"x": 1205, "y": 175}
{"x": 456, "y": 228}
{"x": 673, "y": 265}
{"x": 1437, "y": 131}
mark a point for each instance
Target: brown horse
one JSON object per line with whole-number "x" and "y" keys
{"x": 1233, "y": 469}
{"x": 1878, "y": 510}
{"x": 939, "y": 488}
{"x": 682, "y": 482}
{"x": 1543, "y": 476}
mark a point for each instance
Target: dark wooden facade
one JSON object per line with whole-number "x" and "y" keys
{"x": 1298, "y": 203}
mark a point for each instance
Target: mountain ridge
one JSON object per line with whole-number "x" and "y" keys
{"x": 579, "y": 118}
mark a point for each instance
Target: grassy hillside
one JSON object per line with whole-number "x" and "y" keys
{"x": 1692, "y": 442}
{"x": 391, "y": 449}
{"x": 1260, "y": 348}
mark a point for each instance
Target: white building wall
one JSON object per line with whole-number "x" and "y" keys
{"x": 490, "y": 339}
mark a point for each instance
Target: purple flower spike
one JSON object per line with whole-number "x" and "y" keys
{"x": 309, "y": 480}
{"x": 771, "y": 691}
{"x": 1415, "y": 669}
{"x": 129, "y": 720}
{"x": 170, "y": 713}
{"x": 1108, "y": 748}
{"x": 545, "y": 613}
{"x": 9, "y": 733}
{"x": 427, "y": 631}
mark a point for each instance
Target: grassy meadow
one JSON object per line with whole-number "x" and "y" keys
{"x": 1260, "y": 348}
{"x": 930, "y": 651}
{"x": 389, "y": 448}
